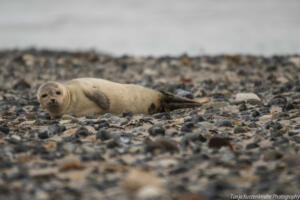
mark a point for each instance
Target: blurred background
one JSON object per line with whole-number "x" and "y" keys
{"x": 156, "y": 27}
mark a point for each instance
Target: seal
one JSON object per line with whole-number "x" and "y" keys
{"x": 85, "y": 96}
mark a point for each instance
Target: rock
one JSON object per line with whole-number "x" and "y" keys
{"x": 82, "y": 132}
{"x": 136, "y": 179}
{"x": 223, "y": 123}
{"x": 294, "y": 132}
{"x": 150, "y": 192}
{"x": 240, "y": 129}
{"x": 184, "y": 93}
{"x": 218, "y": 142}
{"x": 156, "y": 130}
{"x": 272, "y": 155}
{"x": 246, "y": 97}
{"x": 192, "y": 137}
{"x": 187, "y": 127}
{"x": 297, "y": 139}
{"x": 4, "y": 129}
{"x": 103, "y": 134}
{"x": 161, "y": 145}
{"x": 278, "y": 101}
{"x": 252, "y": 146}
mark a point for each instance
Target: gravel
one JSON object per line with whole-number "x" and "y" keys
{"x": 226, "y": 147}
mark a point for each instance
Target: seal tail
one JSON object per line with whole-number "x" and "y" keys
{"x": 172, "y": 102}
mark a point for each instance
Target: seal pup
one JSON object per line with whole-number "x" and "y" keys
{"x": 84, "y": 96}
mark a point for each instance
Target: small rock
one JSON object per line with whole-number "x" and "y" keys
{"x": 150, "y": 193}
{"x": 192, "y": 137}
{"x": 139, "y": 178}
{"x": 82, "y": 131}
{"x": 103, "y": 135}
{"x": 164, "y": 116}
{"x": 187, "y": 127}
{"x": 278, "y": 101}
{"x": 184, "y": 93}
{"x": 4, "y": 129}
{"x": 243, "y": 107}
{"x": 218, "y": 142}
{"x": 272, "y": 155}
{"x": 252, "y": 146}
{"x": 156, "y": 130}
{"x": 179, "y": 169}
{"x": 246, "y": 97}
{"x": 223, "y": 123}
{"x": 240, "y": 129}
{"x": 161, "y": 145}
{"x": 297, "y": 139}
{"x": 294, "y": 132}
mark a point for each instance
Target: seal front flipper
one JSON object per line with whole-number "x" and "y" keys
{"x": 97, "y": 97}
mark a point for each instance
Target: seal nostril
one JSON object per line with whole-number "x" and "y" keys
{"x": 53, "y": 100}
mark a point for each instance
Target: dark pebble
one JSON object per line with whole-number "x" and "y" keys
{"x": 82, "y": 131}
{"x": 44, "y": 115}
{"x": 184, "y": 93}
{"x": 156, "y": 130}
{"x": 272, "y": 155}
{"x": 223, "y": 123}
{"x": 4, "y": 129}
{"x": 198, "y": 118}
{"x": 106, "y": 184}
{"x": 218, "y": 142}
{"x": 44, "y": 134}
{"x": 85, "y": 157}
{"x": 294, "y": 132}
{"x": 278, "y": 100}
{"x": 103, "y": 135}
{"x": 102, "y": 124}
{"x": 165, "y": 116}
{"x": 273, "y": 125}
{"x": 277, "y": 133}
{"x": 112, "y": 144}
{"x": 179, "y": 169}
{"x": 161, "y": 145}
{"x": 252, "y": 146}
{"x": 187, "y": 127}
{"x": 243, "y": 107}
{"x": 240, "y": 129}
{"x": 297, "y": 139}
{"x": 192, "y": 137}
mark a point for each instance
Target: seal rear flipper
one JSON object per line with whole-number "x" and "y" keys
{"x": 171, "y": 102}
{"x": 97, "y": 97}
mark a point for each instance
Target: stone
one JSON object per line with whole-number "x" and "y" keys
{"x": 246, "y": 96}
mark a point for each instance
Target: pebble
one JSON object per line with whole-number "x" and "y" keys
{"x": 246, "y": 96}
{"x": 156, "y": 130}
{"x": 103, "y": 134}
{"x": 224, "y": 123}
{"x": 4, "y": 129}
{"x": 223, "y": 147}
{"x": 272, "y": 155}
{"x": 184, "y": 93}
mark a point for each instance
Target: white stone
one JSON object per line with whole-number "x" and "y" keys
{"x": 149, "y": 192}
{"x": 246, "y": 96}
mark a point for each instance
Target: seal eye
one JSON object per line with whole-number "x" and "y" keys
{"x": 58, "y": 92}
{"x": 44, "y": 95}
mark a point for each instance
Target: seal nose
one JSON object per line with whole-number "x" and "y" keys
{"x": 53, "y": 100}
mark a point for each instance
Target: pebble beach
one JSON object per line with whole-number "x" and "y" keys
{"x": 245, "y": 141}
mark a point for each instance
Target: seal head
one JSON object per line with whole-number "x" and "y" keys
{"x": 53, "y": 96}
